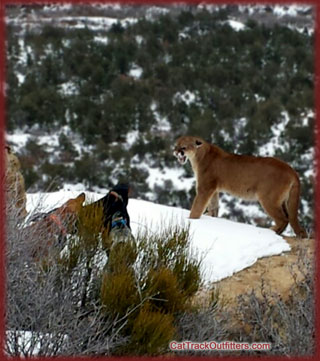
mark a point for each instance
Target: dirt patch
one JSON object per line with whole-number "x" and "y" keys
{"x": 278, "y": 272}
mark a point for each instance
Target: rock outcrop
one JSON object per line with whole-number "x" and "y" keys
{"x": 14, "y": 183}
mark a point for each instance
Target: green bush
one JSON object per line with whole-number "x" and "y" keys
{"x": 163, "y": 284}
{"x": 145, "y": 283}
{"x": 151, "y": 333}
{"x": 119, "y": 293}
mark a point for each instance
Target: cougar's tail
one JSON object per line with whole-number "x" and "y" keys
{"x": 293, "y": 207}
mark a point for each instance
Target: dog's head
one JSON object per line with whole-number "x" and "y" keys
{"x": 74, "y": 205}
{"x": 123, "y": 190}
{"x": 186, "y": 147}
{"x": 65, "y": 216}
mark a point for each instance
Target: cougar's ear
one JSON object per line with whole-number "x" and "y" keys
{"x": 198, "y": 143}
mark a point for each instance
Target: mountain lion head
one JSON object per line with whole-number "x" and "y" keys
{"x": 185, "y": 148}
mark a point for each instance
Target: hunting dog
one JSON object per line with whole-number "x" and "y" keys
{"x": 56, "y": 224}
{"x": 115, "y": 217}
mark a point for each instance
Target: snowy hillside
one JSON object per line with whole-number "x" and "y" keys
{"x": 97, "y": 94}
{"x": 102, "y": 16}
{"x": 225, "y": 247}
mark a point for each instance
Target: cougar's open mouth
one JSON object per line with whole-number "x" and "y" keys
{"x": 182, "y": 159}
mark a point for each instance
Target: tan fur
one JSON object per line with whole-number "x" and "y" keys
{"x": 271, "y": 182}
{"x": 14, "y": 182}
{"x": 63, "y": 217}
{"x": 59, "y": 222}
{"x": 73, "y": 206}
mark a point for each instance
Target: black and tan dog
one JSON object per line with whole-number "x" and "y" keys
{"x": 115, "y": 223}
{"x": 114, "y": 205}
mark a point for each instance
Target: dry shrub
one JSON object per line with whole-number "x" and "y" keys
{"x": 171, "y": 249}
{"x": 119, "y": 292}
{"x": 89, "y": 226}
{"x": 45, "y": 315}
{"x": 96, "y": 300}
{"x": 145, "y": 282}
{"x": 288, "y": 324}
{"x": 152, "y": 331}
{"x": 208, "y": 320}
{"x": 163, "y": 284}
{"x": 122, "y": 256}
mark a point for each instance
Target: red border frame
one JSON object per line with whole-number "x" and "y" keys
{"x": 3, "y": 3}
{"x": 2, "y": 212}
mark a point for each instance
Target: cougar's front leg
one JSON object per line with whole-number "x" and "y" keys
{"x": 200, "y": 202}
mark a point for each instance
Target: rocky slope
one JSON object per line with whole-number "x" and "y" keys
{"x": 278, "y": 273}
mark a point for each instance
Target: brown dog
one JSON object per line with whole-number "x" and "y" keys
{"x": 271, "y": 182}
{"x": 49, "y": 228}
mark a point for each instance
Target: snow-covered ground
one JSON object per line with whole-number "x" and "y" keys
{"x": 225, "y": 247}
{"x": 25, "y": 340}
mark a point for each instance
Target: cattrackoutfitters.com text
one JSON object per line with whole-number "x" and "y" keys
{"x": 221, "y": 346}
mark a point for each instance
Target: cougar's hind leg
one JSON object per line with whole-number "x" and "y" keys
{"x": 277, "y": 213}
{"x": 213, "y": 206}
{"x": 292, "y": 207}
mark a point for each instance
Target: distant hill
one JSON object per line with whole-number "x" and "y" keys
{"x": 299, "y": 16}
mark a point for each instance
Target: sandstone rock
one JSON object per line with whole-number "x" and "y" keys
{"x": 14, "y": 182}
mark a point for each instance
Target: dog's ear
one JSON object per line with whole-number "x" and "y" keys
{"x": 81, "y": 197}
{"x": 198, "y": 143}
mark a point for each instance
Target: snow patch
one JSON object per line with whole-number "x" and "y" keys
{"x": 225, "y": 247}
{"x": 132, "y": 138}
{"x": 101, "y": 39}
{"x": 159, "y": 176}
{"x": 25, "y": 340}
{"x": 19, "y": 139}
{"x": 187, "y": 97}
{"x": 236, "y": 25}
{"x": 292, "y": 10}
{"x": 154, "y": 11}
{"x": 276, "y": 142}
{"x": 162, "y": 124}
{"x": 136, "y": 71}
{"x": 69, "y": 88}
{"x": 21, "y": 78}
{"x": 139, "y": 39}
